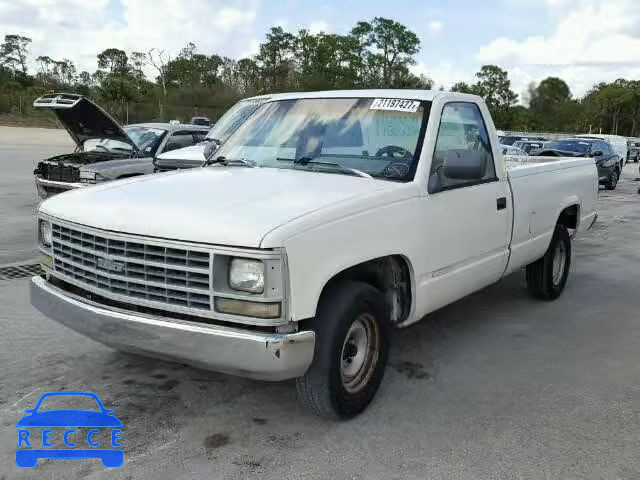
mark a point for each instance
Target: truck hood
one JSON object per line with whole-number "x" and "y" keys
{"x": 234, "y": 206}
{"x": 194, "y": 152}
{"x": 83, "y": 119}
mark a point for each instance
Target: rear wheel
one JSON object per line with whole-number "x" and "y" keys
{"x": 547, "y": 277}
{"x": 612, "y": 181}
{"x": 352, "y": 347}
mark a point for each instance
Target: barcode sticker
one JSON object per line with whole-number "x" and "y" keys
{"x": 396, "y": 104}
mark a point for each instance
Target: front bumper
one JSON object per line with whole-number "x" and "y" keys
{"x": 263, "y": 356}
{"x": 47, "y": 188}
{"x": 604, "y": 173}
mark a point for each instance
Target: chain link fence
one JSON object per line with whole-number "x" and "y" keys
{"x": 19, "y": 111}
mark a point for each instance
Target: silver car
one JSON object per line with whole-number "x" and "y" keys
{"x": 104, "y": 149}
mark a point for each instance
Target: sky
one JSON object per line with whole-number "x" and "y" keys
{"x": 581, "y": 41}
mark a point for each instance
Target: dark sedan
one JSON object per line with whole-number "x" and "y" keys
{"x": 606, "y": 160}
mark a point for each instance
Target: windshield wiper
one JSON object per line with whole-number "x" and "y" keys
{"x": 308, "y": 160}
{"x": 229, "y": 161}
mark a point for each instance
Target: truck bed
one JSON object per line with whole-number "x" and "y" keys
{"x": 523, "y": 166}
{"x": 542, "y": 187}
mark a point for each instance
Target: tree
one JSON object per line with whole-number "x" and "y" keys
{"x": 14, "y": 52}
{"x": 45, "y": 73}
{"x": 248, "y": 73}
{"x": 84, "y": 78}
{"x": 550, "y": 105}
{"x": 386, "y": 46}
{"x": 323, "y": 61}
{"x": 114, "y": 60}
{"x": 138, "y": 61}
{"x": 275, "y": 60}
{"x": 159, "y": 59}
{"x": 495, "y": 87}
{"x": 65, "y": 72}
{"x": 462, "y": 87}
{"x": 192, "y": 69}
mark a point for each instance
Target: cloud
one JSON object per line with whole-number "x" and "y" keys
{"x": 229, "y": 18}
{"x": 435, "y": 27}
{"x": 591, "y": 41}
{"x": 443, "y": 74}
{"x": 80, "y": 29}
{"x": 318, "y": 26}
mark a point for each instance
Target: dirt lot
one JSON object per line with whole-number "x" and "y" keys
{"x": 495, "y": 386}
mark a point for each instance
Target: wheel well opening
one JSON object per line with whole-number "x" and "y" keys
{"x": 390, "y": 275}
{"x": 569, "y": 217}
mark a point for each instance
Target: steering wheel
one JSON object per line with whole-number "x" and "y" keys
{"x": 394, "y": 151}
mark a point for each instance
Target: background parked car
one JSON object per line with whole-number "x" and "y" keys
{"x": 617, "y": 142}
{"x": 105, "y": 150}
{"x": 195, "y": 156}
{"x": 204, "y": 121}
{"x": 633, "y": 146}
{"x": 511, "y": 139}
{"x": 607, "y": 161}
{"x": 513, "y": 151}
{"x": 530, "y": 146}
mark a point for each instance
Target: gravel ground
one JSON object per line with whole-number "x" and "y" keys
{"x": 497, "y": 385}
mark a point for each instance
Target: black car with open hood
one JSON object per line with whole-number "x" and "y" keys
{"x": 105, "y": 150}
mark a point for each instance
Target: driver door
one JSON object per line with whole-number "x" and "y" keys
{"x": 469, "y": 220}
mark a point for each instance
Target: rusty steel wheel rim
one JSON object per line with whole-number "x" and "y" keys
{"x": 360, "y": 352}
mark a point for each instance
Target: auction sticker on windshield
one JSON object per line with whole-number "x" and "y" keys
{"x": 395, "y": 104}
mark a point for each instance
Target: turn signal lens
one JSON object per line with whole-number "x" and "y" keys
{"x": 245, "y": 308}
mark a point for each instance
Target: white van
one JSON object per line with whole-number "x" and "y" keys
{"x": 617, "y": 142}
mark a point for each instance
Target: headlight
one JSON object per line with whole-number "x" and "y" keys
{"x": 46, "y": 236}
{"x": 246, "y": 275}
{"x": 91, "y": 177}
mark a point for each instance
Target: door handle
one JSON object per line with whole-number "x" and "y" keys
{"x": 501, "y": 203}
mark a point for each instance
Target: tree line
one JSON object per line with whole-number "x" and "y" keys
{"x": 374, "y": 54}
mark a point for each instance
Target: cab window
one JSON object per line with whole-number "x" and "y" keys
{"x": 461, "y": 128}
{"x": 179, "y": 140}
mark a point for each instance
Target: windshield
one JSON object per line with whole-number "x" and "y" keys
{"x": 232, "y": 119}
{"x": 577, "y": 146}
{"x": 376, "y": 136}
{"x": 146, "y": 139}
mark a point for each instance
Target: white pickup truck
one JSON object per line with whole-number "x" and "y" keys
{"x": 327, "y": 220}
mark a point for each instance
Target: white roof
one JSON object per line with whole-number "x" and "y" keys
{"x": 426, "y": 95}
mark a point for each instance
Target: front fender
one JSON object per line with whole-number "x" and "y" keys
{"x": 124, "y": 167}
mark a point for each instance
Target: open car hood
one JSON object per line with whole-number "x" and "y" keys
{"x": 83, "y": 119}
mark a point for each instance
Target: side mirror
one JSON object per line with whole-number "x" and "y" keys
{"x": 597, "y": 153}
{"x": 210, "y": 149}
{"x": 465, "y": 165}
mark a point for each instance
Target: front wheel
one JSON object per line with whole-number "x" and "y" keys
{"x": 547, "y": 277}
{"x": 612, "y": 181}
{"x": 352, "y": 348}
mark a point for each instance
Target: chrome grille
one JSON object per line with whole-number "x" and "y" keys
{"x": 60, "y": 172}
{"x": 174, "y": 276}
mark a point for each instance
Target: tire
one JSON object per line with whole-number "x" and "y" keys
{"x": 612, "y": 181}
{"x": 547, "y": 277}
{"x": 334, "y": 387}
